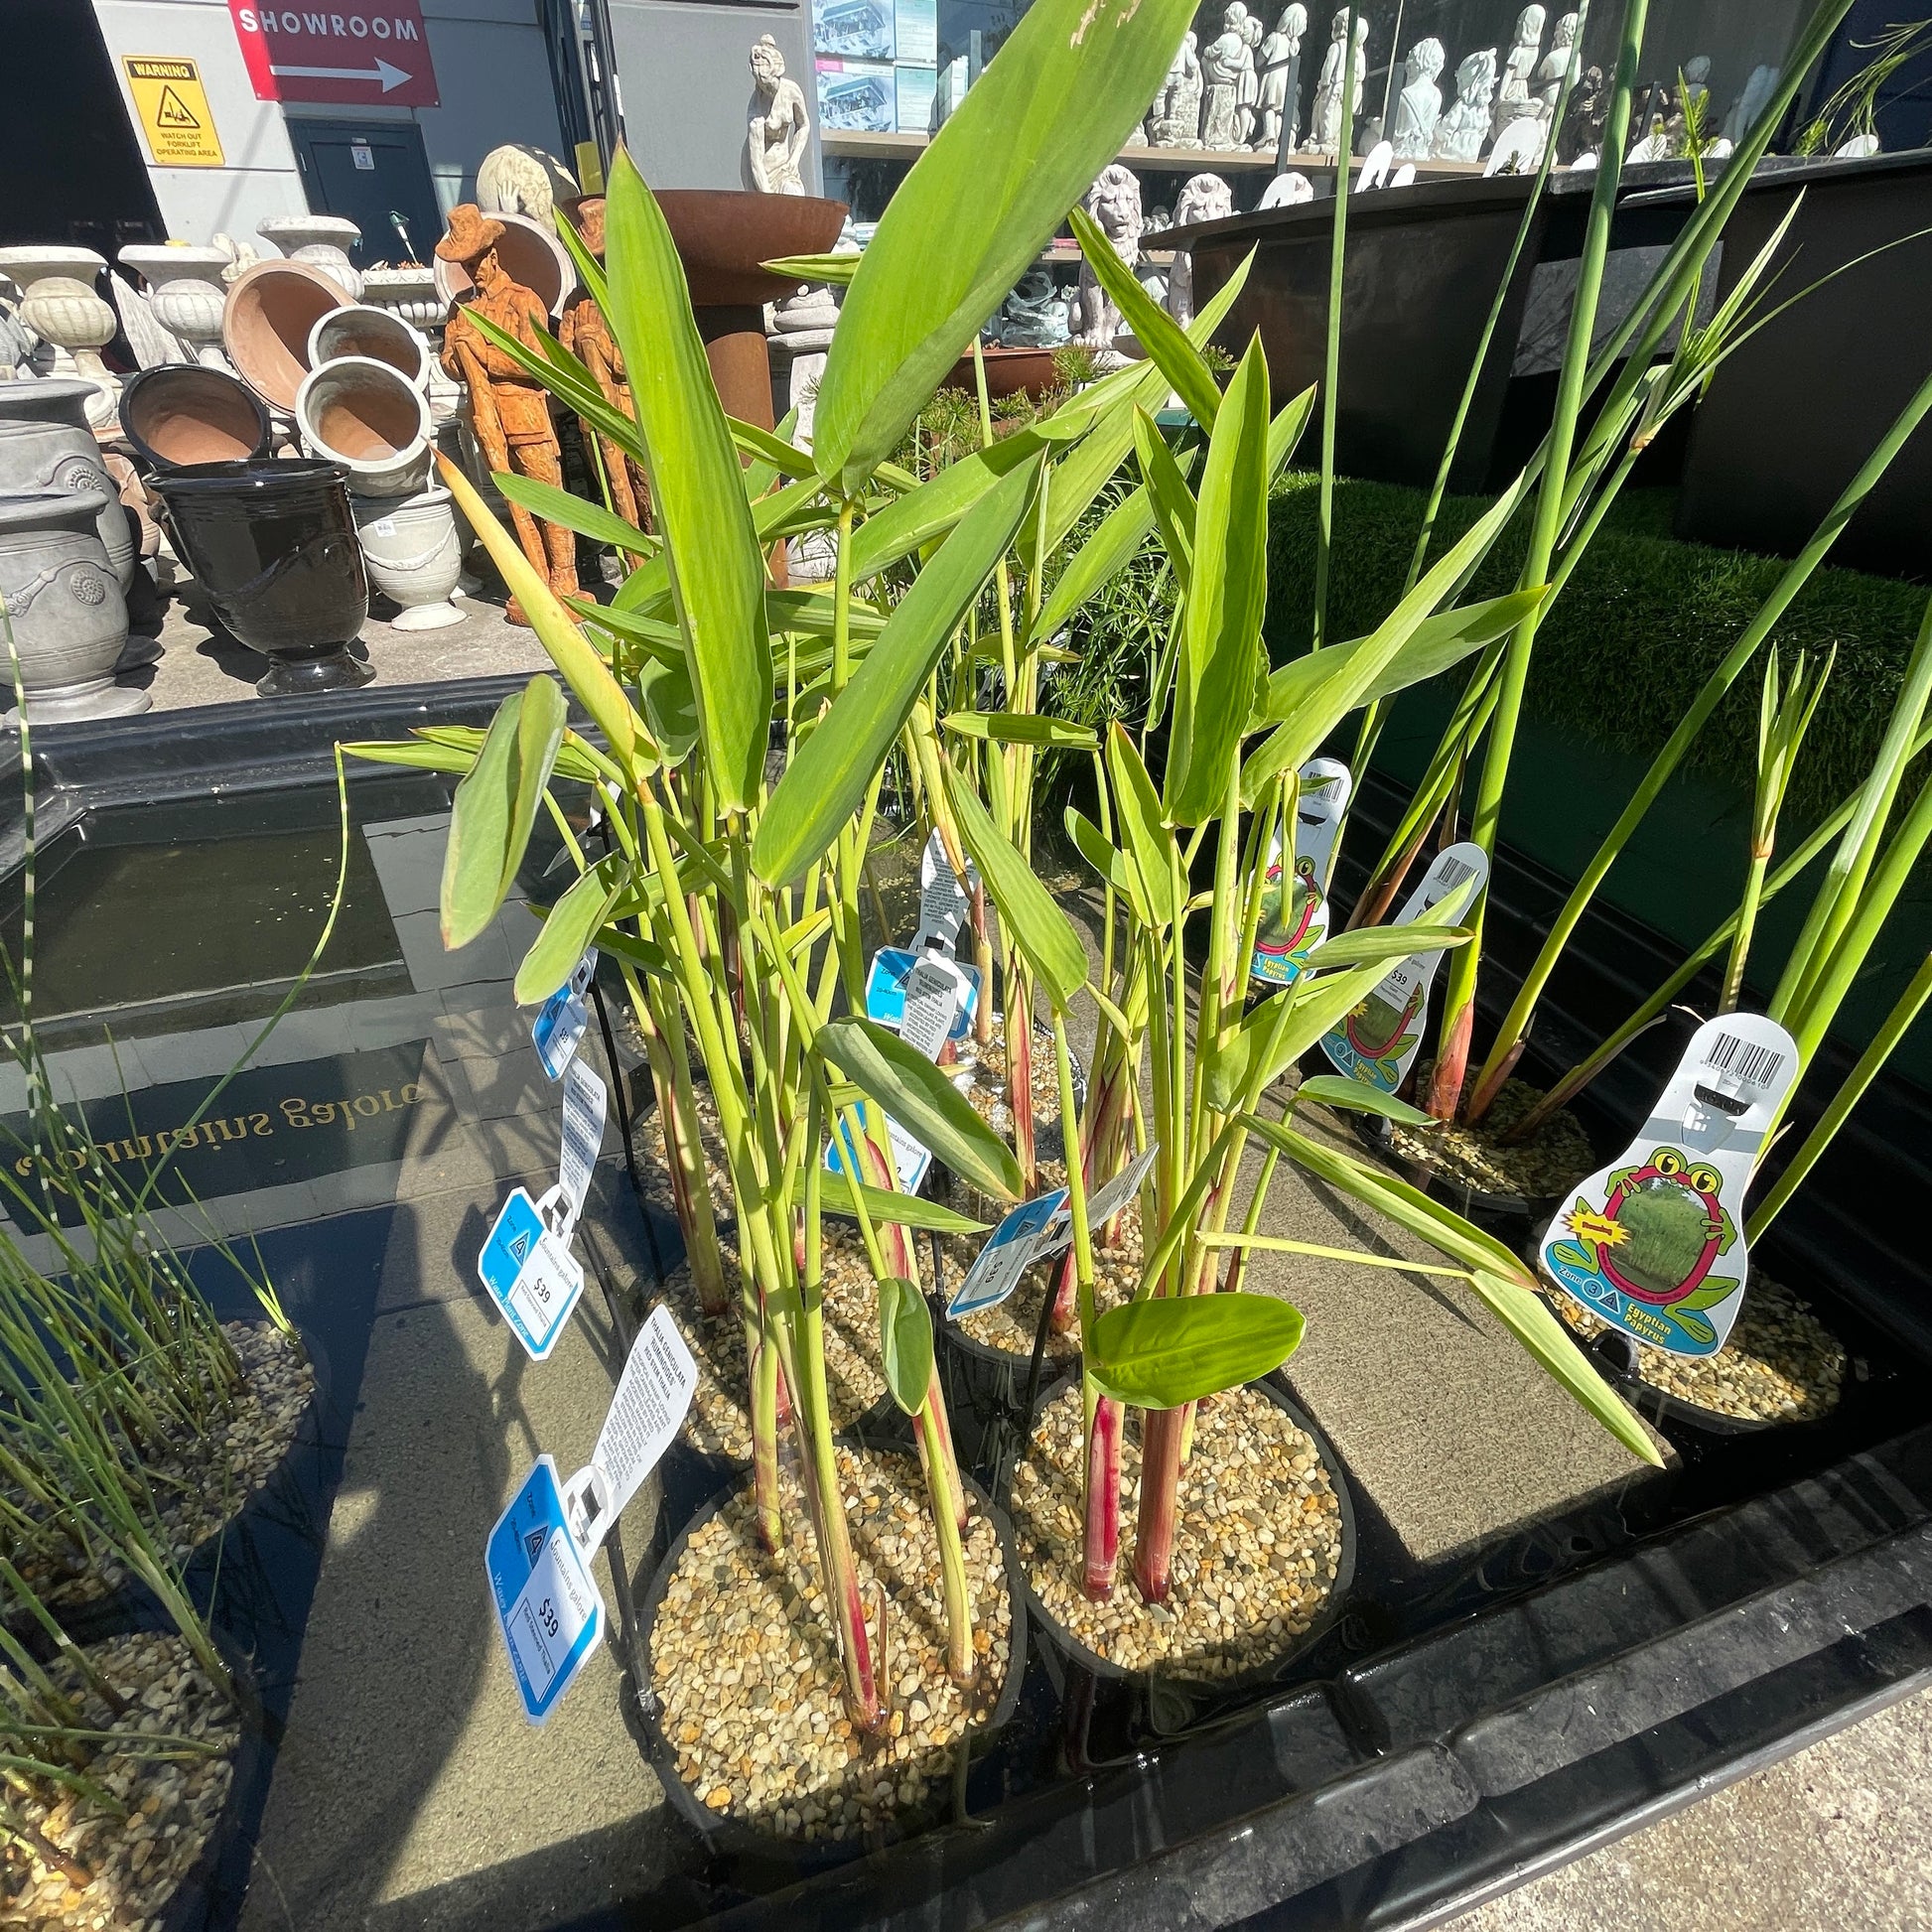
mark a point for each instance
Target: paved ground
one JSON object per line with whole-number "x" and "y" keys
{"x": 1837, "y": 1836}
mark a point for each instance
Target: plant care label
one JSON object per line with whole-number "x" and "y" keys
{"x": 548, "y": 1610}
{"x": 891, "y": 967}
{"x": 562, "y": 1017}
{"x": 1034, "y": 1229}
{"x": 586, "y": 1107}
{"x": 1377, "y": 1042}
{"x": 1654, "y": 1243}
{"x": 911, "y": 1158}
{"x": 1321, "y": 805}
{"x": 530, "y": 1272}
{"x": 943, "y": 900}
{"x": 936, "y": 992}
{"x": 1108, "y": 1201}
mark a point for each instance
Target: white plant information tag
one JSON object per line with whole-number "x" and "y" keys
{"x": 1654, "y": 1243}
{"x": 562, "y": 1017}
{"x": 1326, "y": 786}
{"x": 586, "y": 1106}
{"x": 935, "y": 989}
{"x": 1032, "y": 1230}
{"x": 1378, "y": 1042}
{"x": 943, "y": 900}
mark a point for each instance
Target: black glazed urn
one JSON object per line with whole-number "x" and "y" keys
{"x": 273, "y": 545}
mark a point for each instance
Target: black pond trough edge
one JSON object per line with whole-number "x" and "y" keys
{"x": 1405, "y": 1788}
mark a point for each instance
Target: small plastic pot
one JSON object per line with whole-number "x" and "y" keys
{"x": 775, "y": 1860}
{"x": 273, "y": 545}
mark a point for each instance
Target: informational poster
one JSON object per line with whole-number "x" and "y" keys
{"x": 859, "y": 30}
{"x": 916, "y": 30}
{"x": 914, "y": 105}
{"x": 856, "y": 96}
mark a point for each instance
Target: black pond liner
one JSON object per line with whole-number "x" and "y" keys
{"x": 1467, "y": 1721}
{"x": 1164, "y": 1700}
{"x": 756, "y": 1854}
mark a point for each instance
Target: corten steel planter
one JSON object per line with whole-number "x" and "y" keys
{"x": 1421, "y": 268}
{"x": 274, "y": 547}
{"x": 1798, "y": 406}
{"x": 272, "y": 308}
{"x": 182, "y": 413}
{"x": 1008, "y": 371}
{"x": 722, "y": 235}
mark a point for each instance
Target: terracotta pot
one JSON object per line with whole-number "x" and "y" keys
{"x": 271, "y": 309}
{"x": 180, "y": 413}
{"x": 63, "y": 605}
{"x": 47, "y": 445}
{"x": 1008, "y": 371}
{"x": 530, "y": 253}
{"x": 364, "y": 416}
{"x": 414, "y": 554}
{"x": 274, "y": 547}
{"x": 378, "y": 333}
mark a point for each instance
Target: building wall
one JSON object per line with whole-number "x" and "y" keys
{"x": 685, "y": 74}
{"x": 492, "y": 74}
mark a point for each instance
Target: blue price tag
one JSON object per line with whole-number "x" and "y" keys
{"x": 548, "y": 1610}
{"x": 891, "y": 967}
{"x": 1035, "y": 1229}
{"x": 530, "y": 1275}
{"x": 562, "y": 1017}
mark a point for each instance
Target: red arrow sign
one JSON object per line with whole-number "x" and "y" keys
{"x": 364, "y": 50}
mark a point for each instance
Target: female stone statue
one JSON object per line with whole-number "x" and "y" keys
{"x": 1419, "y": 104}
{"x": 1512, "y": 98}
{"x": 1324, "y": 117}
{"x": 1460, "y": 133}
{"x": 1278, "y": 105}
{"x": 775, "y": 143}
{"x": 1556, "y": 63}
{"x": 1248, "y": 93}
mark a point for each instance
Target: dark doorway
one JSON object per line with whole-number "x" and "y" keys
{"x": 370, "y": 171}
{"x": 76, "y": 172}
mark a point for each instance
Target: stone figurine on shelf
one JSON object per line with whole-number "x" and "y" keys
{"x": 1035, "y": 315}
{"x": 1324, "y": 116}
{"x": 1288, "y": 191}
{"x": 1582, "y": 126}
{"x": 1750, "y": 103}
{"x": 1461, "y": 131}
{"x": 1223, "y": 61}
{"x": 1167, "y": 124}
{"x": 1278, "y": 105}
{"x": 1114, "y": 201}
{"x": 1204, "y": 197}
{"x": 1248, "y": 93}
{"x": 586, "y": 334}
{"x": 510, "y": 412}
{"x": 1556, "y": 63}
{"x": 1525, "y": 55}
{"x": 774, "y": 142}
{"x": 1419, "y": 104}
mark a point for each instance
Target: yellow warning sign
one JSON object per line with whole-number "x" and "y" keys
{"x": 175, "y": 115}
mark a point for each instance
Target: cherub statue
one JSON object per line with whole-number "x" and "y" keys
{"x": 1512, "y": 97}
{"x": 1173, "y": 121}
{"x": 1556, "y": 63}
{"x": 1248, "y": 93}
{"x": 1204, "y": 197}
{"x": 1114, "y": 201}
{"x": 1419, "y": 104}
{"x": 1223, "y": 61}
{"x": 1460, "y": 133}
{"x": 1324, "y": 117}
{"x": 1278, "y": 104}
{"x": 779, "y": 127}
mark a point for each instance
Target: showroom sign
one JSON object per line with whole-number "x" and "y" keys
{"x": 348, "y": 56}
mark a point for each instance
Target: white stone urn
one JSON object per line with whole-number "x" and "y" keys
{"x": 60, "y": 305}
{"x": 64, "y": 607}
{"x": 187, "y": 292}
{"x": 409, "y": 291}
{"x": 321, "y": 240}
{"x": 414, "y": 553}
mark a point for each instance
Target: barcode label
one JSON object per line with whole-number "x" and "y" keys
{"x": 1754, "y": 1065}
{"x": 1454, "y": 871}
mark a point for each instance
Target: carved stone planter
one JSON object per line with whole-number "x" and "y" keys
{"x": 414, "y": 554}
{"x": 47, "y": 445}
{"x": 187, "y": 294}
{"x": 61, "y": 306}
{"x": 323, "y": 241}
{"x": 64, "y": 607}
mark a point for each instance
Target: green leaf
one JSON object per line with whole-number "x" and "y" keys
{"x": 829, "y": 776}
{"x": 923, "y": 1100}
{"x": 643, "y": 953}
{"x": 911, "y": 521}
{"x": 584, "y": 670}
{"x": 496, "y": 805}
{"x": 888, "y": 1204}
{"x": 837, "y": 270}
{"x": 904, "y": 1343}
{"x": 1358, "y": 1097}
{"x": 770, "y": 449}
{"x": 1220, "y": 649}
{"x": 1021, "y": 728}
{"x": 1172, "y": 1350}
{"x": 572, "y": 925}
{"x": 1108, "y": 861}
{"x": 1498, "y": 1276}
{"x": 1029, "y": 915}
{"x": 1254, "y": 1057}
{"x": 1047, "y": 114}
{"x": 1174, "y": 502}
{"x": 1380, "y": 942}
{"x": 1159, "y": 335}
{"x": 1098, "y": 561}
{"x": 410, "y": 752}
{"x": 559, "y": 506}
{"x": 670, "y": 707}
{"x": 664, "y": 641}
{"x": 696, "y": 488}
{"x": 1147, "y": 843}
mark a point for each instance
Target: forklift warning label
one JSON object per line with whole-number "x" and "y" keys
{"x": 174, "y": 112}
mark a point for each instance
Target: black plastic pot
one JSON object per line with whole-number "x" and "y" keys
{"x": 273, "y": 545}
{"x": 1511, "y": 1219}
{"x": 1127, "y": 1704}
{"x": 763, "y": 1858}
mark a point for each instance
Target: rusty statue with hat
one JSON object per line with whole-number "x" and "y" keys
{"x": 587, "y": 335}
{"x": 511, "y": 412}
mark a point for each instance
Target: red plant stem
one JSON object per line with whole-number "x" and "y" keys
{"x": 952, "y": 1559}
{"x": 1103, "y": 1500}
{"x": 1485, "y": 1096}
{"x": 1019, "y": 1073}
{"x": 983, "y": 961}
{"x": 1161, "y": 1436}
{"x": 765, "y": 1440}
{"x": 1452, "y": 1065}
{"x": 942, "y": 1447}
